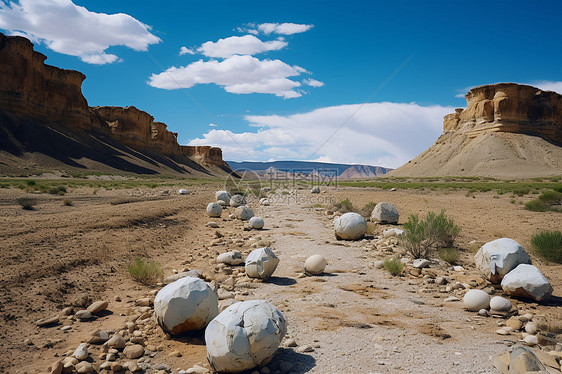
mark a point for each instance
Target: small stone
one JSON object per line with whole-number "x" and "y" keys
{"x": 84, "y": 367}
{"x": 531, "y": 328}
{"x": 305, "y": 348}
{"x": 483, "y": 312}
{"x": 97, "y": 307}
{"x": 145, "y": 301}
{"x": 474, "y": 300}
{"x": 421, "y": 263}
{"x": 458, "y": 268}
{"x": 57, "y": 367}
{"x": 175, "y": 354}
{"x": 502, "y": 331}
{"x": 315, "y": 265}
{"x": 531, "y": 340}
{"x": 133, "y": 351}
{"x": 500, "y": 304}
{"x": 98, "y": 337}
{"x": 83, "y": 315}
{"x": 378, "y": 264}
{"x": 451, "y": 299}
{"x": 81, "y": 353}
{"x": 514, "y": 323}
{"x": 290, "y": 342}
{"x": 196, "y": 369}
{"x": 48, "y": 321}
{"x": 116, "y": 341}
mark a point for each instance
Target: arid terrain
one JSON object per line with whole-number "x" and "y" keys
{"x": 354, "y": 319}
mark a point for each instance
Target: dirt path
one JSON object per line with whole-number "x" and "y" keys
{"x": 358, "y": 318}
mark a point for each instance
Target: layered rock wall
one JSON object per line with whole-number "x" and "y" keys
{"x": 31, "y": 89}
{"x": 509, "y": 107}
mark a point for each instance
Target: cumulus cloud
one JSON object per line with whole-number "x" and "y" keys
{"x": 186, "y": 51}
{"x": 283, "y": 28}
{"x": 312, "y": 82}
{"x": 555, "y": 86}
{"x": 237, "y": 74}
{"x": 239, "y": 45}
{"x": 387, "y": 134}
{"x": 73, "y": 30}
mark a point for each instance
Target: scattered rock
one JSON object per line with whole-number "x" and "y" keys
{"x": 186, "y": 304}
{"x": 197, "y": 370}
{"x": 497, "y": 258}
{"x": 264, "y": 201}
{"x": 97, "y": 307}
{"x": 83, "y": 315}
{"x": 379, "y": 264}
{"x": 305, "y": 348}
{"x": 527, "y": 281}
{"x": 190, "y": 273}
{"x": 474, "y": 300}
{"x": 98, "y": 337}
{"x": 500, "y": 304}
{"x": 350, "y": 226}
{"x": 245, "y": 335}
{"x": 116, "y": 341}
{"x": 133, "y": 351}
{"x": 290, "y": 342}
{"x": 244, "y": 213}
{"x": 57, "y": 367}
{"x": 531, "y": 340}
{"x": 81, "y": 353}
{"x": 421, "y": 263}
{"x": 315, "y": 189}
{"x": 230, "y": 258}
{"x": 315, "y": 265}
{"x": 261, "y": 263}
{"x": 385, "y": 213}
{"x": 49, "y": 321}
{"x": 392, "y": 232}
{"x": 182, "y": 191}
{"x": 531, "y": 328}
{"x": 223, "y": 196}
{"x": 212, "y": 224}
{"x": 237, "y": 200}
{"x": 214, "y": 210}
{"x": 256, "y": 223}
{"x": 84, "y": 367}
{"x": 144, "y": 301}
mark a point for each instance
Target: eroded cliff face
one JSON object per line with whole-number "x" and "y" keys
{"x": 509, "y": 107}
{"x": 30, "y": 89}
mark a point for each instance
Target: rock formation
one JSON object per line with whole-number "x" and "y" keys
{"x": 506, "y": 130}
{"x": 34, "y": 92}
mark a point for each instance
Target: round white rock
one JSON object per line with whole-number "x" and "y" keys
{"x": 350, "y": 226}
{"x": 315, "y": 189}
{"x": 237, "y": 200}
{"x": 186, "y": 304}
{"x": 182, "y": 191}
{"x": 256, "y": 223}
{"x": 315, "y": 265}
{"x": 500, "y": 304}
{"x": 223, "y": 196}
{"x": 214, "y": 210}
{"x": 261, "y": 263}
{"x": 245, "y": 335}
{"x": 244, "y": 213}
{"x": 474, "y": 300}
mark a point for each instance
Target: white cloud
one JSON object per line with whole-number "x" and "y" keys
{"x": 213, "y": 125}
{"x": 283, "y": 28}
{"x": 387, "y": 134}
{"x": 313, "y": 82}
{"x": 73, "y": 30}
{"x": 555, "y": 86}
{"x": 239, "y": 45}
{"x": 186, "y": 51}
{"x": 237, "y": 74}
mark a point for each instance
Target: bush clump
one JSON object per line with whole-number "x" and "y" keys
{"x": 60, "y": 190}
{"x": 547, "y": 201}
{"x": 450, "y": 255}
{"x": 394, "y": 266}
{"x": 420, "y": 236}
{"x": 344, "y": 206}
{"x": 145, "y": 272}
{"x": 548, "y": 245}
{"x": 27, "y": 203}
{"x": 367, "y": 209}
{"x": 67, "y": 202}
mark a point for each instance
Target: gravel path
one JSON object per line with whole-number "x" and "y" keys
{"x": 359, "y": 319}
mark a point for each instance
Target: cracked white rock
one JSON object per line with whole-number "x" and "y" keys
{"x": 497, "y": 258}
{"x": 182, "y": 191}
{"x": 261, "y": 263}
{"x": 350, "y": 226}
{"x": 237, "y": 200}
{"x": 81, "y": 353}
{"x": 256, "y": 223}
{"x": 385, "y": 213}
{"x": 244, "y": 213}
{"x": 474, "y": 300}
{"x": 214, "y": 210}
{"x": 315, "y": 265}
{"x": 244, "y": 336}
{"x": 223, "y": 196}
{"x": 186, "y": 304}
{"x": 527, "y": 281}
{"x": 230, "y": 258}
{"x": 315, "y": 189}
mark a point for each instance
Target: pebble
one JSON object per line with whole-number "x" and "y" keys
{"x": 133, "y": 351}
{"x": 175, "y": 354}
{"x": 502, "y": 331}
{"x": 378, "y": 264}
{"x": 531, "y": 327}
{"x": 500, "y": 304}
{"x": 48, "y": 321}
{"x": 83, "y": 314}
{"x": 81, "y": 353}
{"x": 145, "y": 301}
{"x": 290, "y": 342}
{"x": 196, "y": 369}
{"x": 458, "y": 268}
{"x": 116, "y": 342}
{"x": 451, "y": 299}
{"x": 98, "y": 337}
{"x": 84, "y": 367}
{"x": 483, "y": 312}
{"x": 97, "y": 306}
{"x": 421, "y": 263}
{"x": 531, "y": 340}
{"x": 305, "y": 348}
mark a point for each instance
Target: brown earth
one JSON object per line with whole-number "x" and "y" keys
{"x": 356, "y": 318}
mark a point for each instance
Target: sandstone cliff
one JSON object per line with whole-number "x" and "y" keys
{"x": 507, "y": 130}
{"x": 34, "y": 93}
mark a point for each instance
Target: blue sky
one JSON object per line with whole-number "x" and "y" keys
{"x": 342, "y": 81}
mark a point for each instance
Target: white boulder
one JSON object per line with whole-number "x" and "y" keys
{"x": 261, "y": 263}
{"x": 244, "y": 213}
{"x": 500, "y": 304}
{"x": 237, "y": 200}
{"x": 527, "y": 281}
{"x": 230, "y": 258}
{"x": 182, "y": 191}
{"x": 421, "y": 263}
{"x": 350, "y": 226}
{"x": 256, "y": 223}
{"x": 474, "y": 300}
{"x": 223, "y": 196}
{"x": 245, "y": 335}
{"x": 392, "y": 232}
{"x": 497, "y": 258}
{"x": 186, "y": 304}
{"x": 315, "y": 189}
{"x": 315, "y": 265}
{"x": 264, "y": 201}
{"x": 214, "y": 210}
{"x": 385, "y": 213}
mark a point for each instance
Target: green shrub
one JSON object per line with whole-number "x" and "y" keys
{"x": 67, "y": 202}
{"x": 367, "y": 209}
{"x": 30, "y": 183}
{"x": 420, "y": 236}
{"x": 537, "y": 206}
{"x": 551, "y": 197}
{"x": 394, "y": 266}
{"x": 548, "y": 245}
{"x": 443, "y": 230}
{"x": 450, "y": 255}
{"x": 344, "y": 206}
{"x": 145, "y": 272}
{"x": 27, "y": 203}
{"x": 60, "y": 190}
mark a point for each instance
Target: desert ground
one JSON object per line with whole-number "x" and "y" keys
{"x": 355, "y": 318}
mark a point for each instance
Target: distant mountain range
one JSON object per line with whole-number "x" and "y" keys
{"x": 342, "y": 171}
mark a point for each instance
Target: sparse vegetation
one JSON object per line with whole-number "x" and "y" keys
{"x": 367, "y": 209}
{"x": 547, "y": 201}
{"x": 59, "y": 190}
{"x": 550, "y": 323}
{"x": 68, "y": 202}
{"x": 420, "y": 236}
{"x": 145, "y": 272}
{"x": 393, "y": 266}
{"x": 450, "y": 255}
{"x": 27, "y": 203}
{"x": 344, "y": 206}
{"x": 548, "y": 245}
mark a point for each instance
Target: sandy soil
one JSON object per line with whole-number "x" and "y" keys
{"x": 356, "y": 318}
